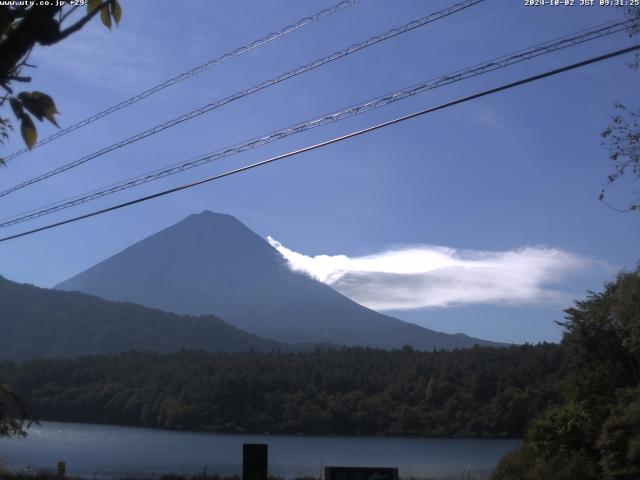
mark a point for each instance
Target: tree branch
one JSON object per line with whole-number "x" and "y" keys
{"x": 38, "y": 25}
{"x": 18, "y": 78}
{"x": 71, "y": 10}
{"x": 81, "y": 23}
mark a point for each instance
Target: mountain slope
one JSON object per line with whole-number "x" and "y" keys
{"x": 212, "y": 263}
{"x": 36, "y": 322}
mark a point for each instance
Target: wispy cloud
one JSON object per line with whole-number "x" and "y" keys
{"x": 427, "y": 276}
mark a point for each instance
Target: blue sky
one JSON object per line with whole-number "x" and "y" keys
{"x": 493, "y": 203}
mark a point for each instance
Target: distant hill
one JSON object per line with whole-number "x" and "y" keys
{"x": 212, "y": 264}
{"x": 36, "y": 322}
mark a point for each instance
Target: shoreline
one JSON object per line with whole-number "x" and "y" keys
{"x": 276, "y": 434}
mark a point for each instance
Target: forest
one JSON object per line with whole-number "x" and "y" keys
{"x": 479, "y": 392}
{"x": 595, "y": 432}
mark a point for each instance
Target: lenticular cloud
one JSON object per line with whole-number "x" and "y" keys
{"x": 427, "y": 276}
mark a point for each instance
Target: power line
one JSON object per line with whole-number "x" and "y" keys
{"x": 596, "y": 32}
{"x": 191, "y": 73}
{"x": 357, "y": 133}
{"x": 253, "y": 89}
{"x": 501, "y": 62}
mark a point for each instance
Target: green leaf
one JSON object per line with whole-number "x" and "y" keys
{"x": 105, "y": 17}
{"x": 40, "y": 105}
{"x": 16, "y": 106}
{"x": 49, "y": 106}
{"x": 32, "y": 106}
{"x": 92, "y": 5}
{"x": 49, "y": 116}
{"x": 116, "y": 11}
{"x": 28, "y": 130}
{"x": 45, "y": 100}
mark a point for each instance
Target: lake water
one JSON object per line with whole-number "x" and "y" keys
{"x": 111, "y": 452}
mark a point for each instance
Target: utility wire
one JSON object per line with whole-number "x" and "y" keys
{"x": 357, "y": 133}
{"x": 253, "y": 89}
{"x": 191, "y": 73}
{"x": 482, "y": 68}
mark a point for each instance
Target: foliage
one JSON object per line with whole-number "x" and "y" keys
{"x": 623, "y": 142}
{"x": 525, "y": 463}
{"x": 14, "y": 413}
{"x": 564, "y": 430}
{"x": 478, "y": 392}
{"x": 622, "y": 136}
{"x": 595, "y": 433}
{"x": 602, "y": 338}
{"x": 23, "y": 25}
{"x": 619, "y": 442}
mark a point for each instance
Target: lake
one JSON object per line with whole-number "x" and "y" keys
{"x": 110, "y": 452}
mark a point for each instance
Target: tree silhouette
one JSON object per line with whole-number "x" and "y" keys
{"x": 14, "y": 413}
{"x": 22, "y": 27}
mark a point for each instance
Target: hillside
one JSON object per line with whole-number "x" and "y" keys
{"x": 37, "y": 322}
{"x": 212, "y": 264}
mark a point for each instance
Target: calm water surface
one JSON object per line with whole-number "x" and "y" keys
{"x": 111, "y": 452}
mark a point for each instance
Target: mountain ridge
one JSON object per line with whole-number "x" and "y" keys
{"x": 211, "y": 263}
{"x": 43, "y": 323}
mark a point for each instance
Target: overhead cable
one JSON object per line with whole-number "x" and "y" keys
{"x": 482, "y": 68}
{"x": 249, "y": 91}
{"x": 190, "y": 73}
{"x": 357, "y": 133}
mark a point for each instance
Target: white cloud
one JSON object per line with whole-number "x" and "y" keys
{"x": 427, "y": 276}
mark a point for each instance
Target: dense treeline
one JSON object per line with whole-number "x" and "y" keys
{"x": 595, "y": 433}
{"x": 483, "y": 391}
